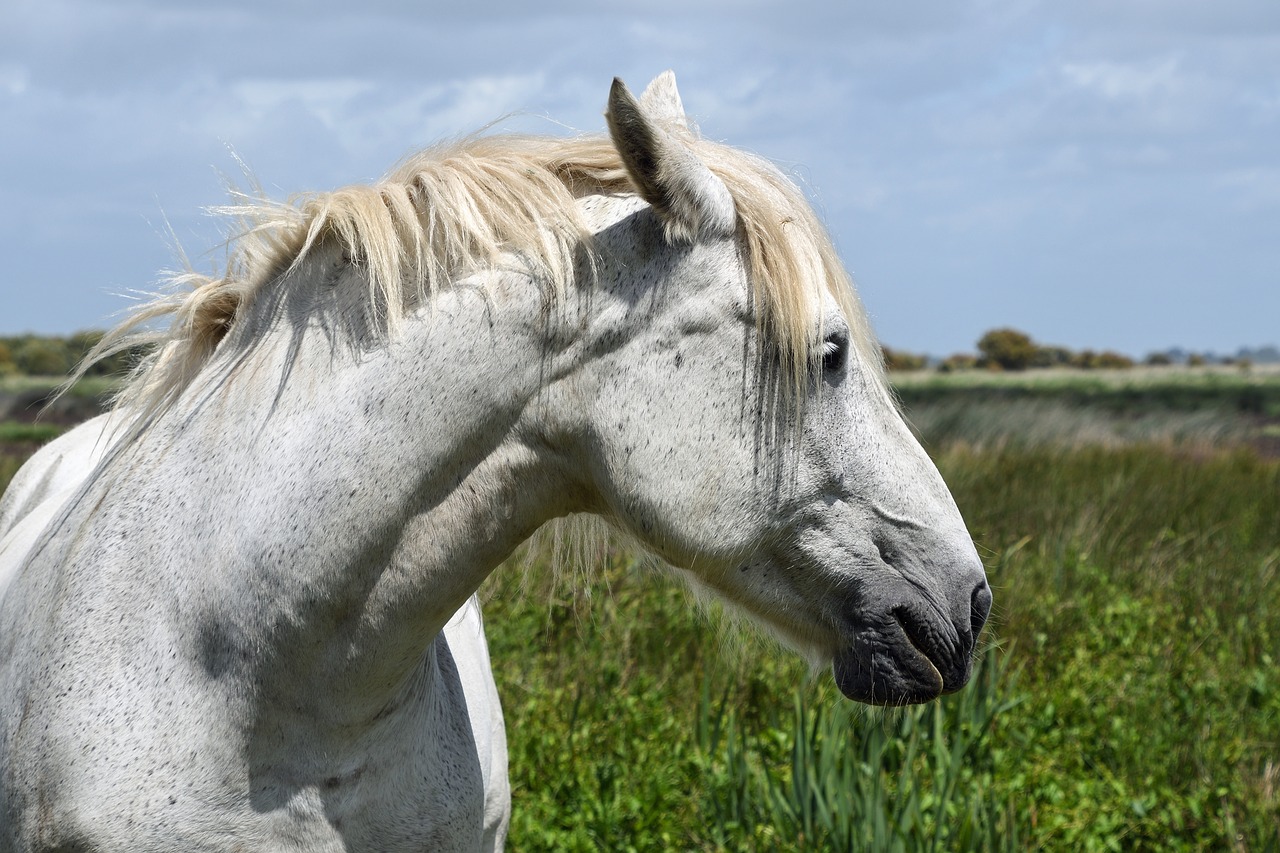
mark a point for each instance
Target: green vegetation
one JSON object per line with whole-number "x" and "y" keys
{"x": 46, "y": 355}
{"x": 1128, "y": 697}
{"x": 1205, "y": 381}
{"x": 15, "y": 432}
{"x": 633, "y": 726}
{"x": 1008, "y": 349}
{"x": 90, "y": 388}
{"x": 1205, "y": 408}
{"x": 31, "y": 412}
{"x": 896, "y": 360}
{"x": 9, "y": 465}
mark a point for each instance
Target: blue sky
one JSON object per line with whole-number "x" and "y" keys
{"x": 1099, "y": 173}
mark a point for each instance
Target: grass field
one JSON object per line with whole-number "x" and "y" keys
{"x": 1205, "y": 408}
{"x": 1128, "y": 697}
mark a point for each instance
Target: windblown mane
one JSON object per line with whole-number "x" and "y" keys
{"x": 457, "y": 208}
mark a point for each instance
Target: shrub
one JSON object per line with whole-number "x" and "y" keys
{"x": 1105, "y": 360}
{"x": 1007, "y": 349}
{"x": 42, "y": 357}
{"x": 7, "y": 365}
{"x": 959, "y": 361}
{"x": 901, "y": 360}
{"x": 1051, "y": 357}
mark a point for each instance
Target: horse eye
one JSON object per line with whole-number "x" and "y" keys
{"x": 835, "y": 351}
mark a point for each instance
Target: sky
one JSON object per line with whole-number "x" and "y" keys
{"x": 1100, "y": 174}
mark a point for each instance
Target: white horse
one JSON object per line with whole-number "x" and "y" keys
{"x": 50, "y": 477}
{"x": 232, "y": 634}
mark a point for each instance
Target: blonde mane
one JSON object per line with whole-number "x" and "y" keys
{"x": 459, "y": 208}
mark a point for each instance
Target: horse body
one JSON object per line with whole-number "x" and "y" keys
{"x": 240, "y": 632}
{"x": 286, "y": 625}
{"x": 461, "y": 698}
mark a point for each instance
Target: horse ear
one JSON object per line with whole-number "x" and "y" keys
{"x": 690, "y": 200}
{"x": 661, "y": 101}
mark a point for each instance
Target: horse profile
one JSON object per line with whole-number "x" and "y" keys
{"x": 244, "y": 618}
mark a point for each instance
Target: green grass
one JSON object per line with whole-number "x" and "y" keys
{"x": 1215, "y": 377}
{"x": 9, "y": 466}
{"x": 999, "y": 421}
{"x": 913, "y": 780}
{"x": 89, "y": 387}
{"x": 14, "y": 432}
{"x": 632, "y": 727}
{"x": 1177, "y": 407}
{"x": 1137, "y": 588}
{"x": 1253, "y": 391}
{"x": 26, "y": 398}
{"x": 1128, "y": 698}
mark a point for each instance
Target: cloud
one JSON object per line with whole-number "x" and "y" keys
{"x": 975, "y": 160}
{"x": 1125, "y": 81}
{"x": 13, "y": 79}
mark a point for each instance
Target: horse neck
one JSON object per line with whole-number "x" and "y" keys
{"x": 369, "y": 491}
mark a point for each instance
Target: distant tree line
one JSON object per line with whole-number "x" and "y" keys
{"x": 47, "y": 355}
{"x": 1010, "y": 349}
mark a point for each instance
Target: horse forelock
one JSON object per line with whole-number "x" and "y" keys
{"x": 791, "y": 259}
{"x": 455, "y": 209}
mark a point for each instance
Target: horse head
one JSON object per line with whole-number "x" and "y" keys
{"x": 745, "y": 430}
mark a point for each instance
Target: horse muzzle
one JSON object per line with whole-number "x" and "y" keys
{"x": 910, "y": 653}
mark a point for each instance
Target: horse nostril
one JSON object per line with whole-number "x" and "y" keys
{"x": 979, "y": 608}
{"x": 916, "y": 629}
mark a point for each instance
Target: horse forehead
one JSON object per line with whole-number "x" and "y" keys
{"x": 632, "y": 250}
{"x": 821, "y": 304}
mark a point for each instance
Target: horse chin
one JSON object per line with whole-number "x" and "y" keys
{"x": 886, "y": 671}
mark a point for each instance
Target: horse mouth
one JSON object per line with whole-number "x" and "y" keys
{"x": 890, "y": 665}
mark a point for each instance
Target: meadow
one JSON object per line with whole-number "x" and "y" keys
{"x": 1127, "y": 696}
